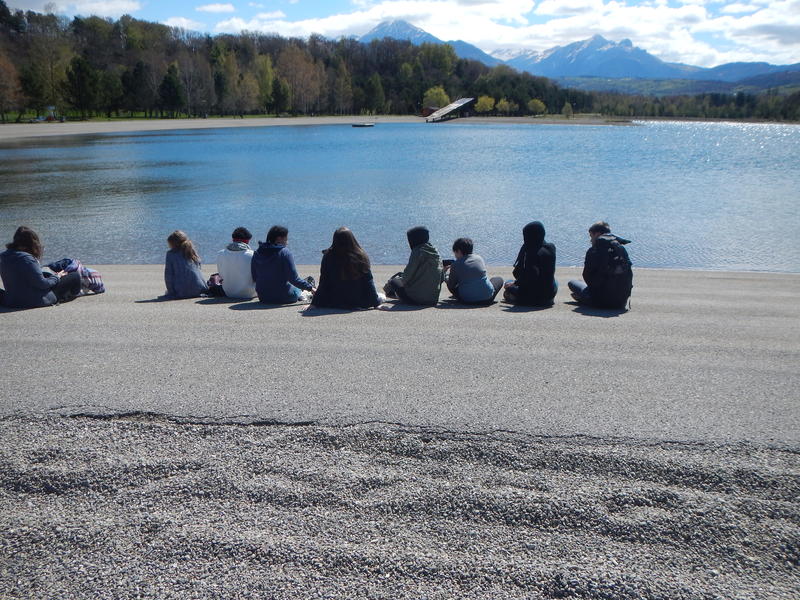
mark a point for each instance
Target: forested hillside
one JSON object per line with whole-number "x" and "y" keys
{"x": 128, "y": 67}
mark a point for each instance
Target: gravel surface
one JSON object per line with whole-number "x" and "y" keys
{"x": 141, "y": 507}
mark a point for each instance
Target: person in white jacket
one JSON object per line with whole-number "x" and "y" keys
{"x": 233, "y": 264}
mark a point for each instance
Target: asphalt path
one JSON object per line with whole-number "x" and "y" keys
{"x": 702, "y": 356}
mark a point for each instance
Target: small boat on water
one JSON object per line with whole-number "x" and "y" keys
{"x": 363, "y": 124}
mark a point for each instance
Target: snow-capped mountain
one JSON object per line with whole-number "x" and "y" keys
{"x": 403, "y": 30}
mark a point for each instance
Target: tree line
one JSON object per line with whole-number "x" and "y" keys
{"x": 129, "y": 67}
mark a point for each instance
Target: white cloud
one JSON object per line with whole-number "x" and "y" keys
{"x": 185, "y": 23}
{"x": 271, "y": 16}
{"x": 101, "y": 8}
{"x": 255, "y": 5}
{"x": 739, "y": 8}
{"x": 216, "y": 8}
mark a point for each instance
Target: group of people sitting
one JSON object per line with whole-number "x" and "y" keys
{"x": 346, "y": 280}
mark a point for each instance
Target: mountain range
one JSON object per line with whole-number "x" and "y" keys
{"x": 597, "y": 63}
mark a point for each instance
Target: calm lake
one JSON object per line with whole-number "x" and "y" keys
{"x": 689, "y": 195}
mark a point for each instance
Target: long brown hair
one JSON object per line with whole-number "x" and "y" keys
{"x": 350, "y": 256}
{"x": 181, "y": 242}
{"x": 27, "y": 240}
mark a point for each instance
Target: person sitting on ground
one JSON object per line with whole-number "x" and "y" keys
{"x": 26, "y": 285}
{"x": 534, "y": 281}
{"x": 274, "y": 271}
{"x": 607, "y": 274}
{"x": 345, "y": 279}
{"x": 421, "y": 281}
{"x": 466, "y": 278}
{"x": 182, "y": 274}
{"x": 233, "y": 265}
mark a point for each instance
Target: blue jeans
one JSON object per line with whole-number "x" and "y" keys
{"x": 580, "y": 289}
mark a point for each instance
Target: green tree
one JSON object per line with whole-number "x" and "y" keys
{"x": 536, "y": 107}
{"x": 435, "y": 97}
{"x": 485, "y": 104}
{"x": 81, "y": 89}
{"x": 171, "y": 93}
{"x": 110, "y": 96}
{"x": 507, "y": 107}
{"x": 281, "y": 95}
{"x": 567, "y": 110}
{"x": 342, "y": 89}
{"x": 265, "y": 75}
{"x": 375, "y": 98}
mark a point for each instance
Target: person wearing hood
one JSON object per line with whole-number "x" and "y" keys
{"x": 233, "y": 264}
{"x": 534, "y": 281}
{"x": 607, "y": 275}
{"x": 274, "y": 272}
{"x": 421, "y": 281}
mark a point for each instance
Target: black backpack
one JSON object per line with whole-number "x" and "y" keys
{"x": 617, "y": 270}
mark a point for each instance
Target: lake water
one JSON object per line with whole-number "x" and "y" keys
{"x": 689, "y": 195}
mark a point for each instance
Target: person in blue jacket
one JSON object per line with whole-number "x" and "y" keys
{"x": 274, "y": 272}
{"x": 26, "y": 285}
{"x": 182, "y": 274}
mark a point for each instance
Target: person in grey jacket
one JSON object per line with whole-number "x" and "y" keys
{"x": 466, "y": 277}
{"x": 182, "y": 274}
{"x": 26, "y": 285}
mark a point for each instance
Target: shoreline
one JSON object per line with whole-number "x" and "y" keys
{"x": 22, "y": 131}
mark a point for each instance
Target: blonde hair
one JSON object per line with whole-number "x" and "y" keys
{"x": 178, "y": 240}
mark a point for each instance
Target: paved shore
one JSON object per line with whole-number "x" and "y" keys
{"x": 18, "y": 131}
{"x": 212, "y": 449}
{"x": 703, "y": 356}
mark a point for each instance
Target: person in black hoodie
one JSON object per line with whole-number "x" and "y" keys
{"x": 534, "y": 270}
{"x": 606, "y": 271}
{"x": 345, "y": 279}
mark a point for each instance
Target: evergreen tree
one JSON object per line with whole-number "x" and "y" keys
{"x": 171, "y": 92}
{"x": 81, "y": 89}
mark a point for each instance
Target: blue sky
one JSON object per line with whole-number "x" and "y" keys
{"x": 698, "y": 32}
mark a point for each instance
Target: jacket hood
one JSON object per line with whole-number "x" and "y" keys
{"x": 611, "y": 237}
{"x": 417, "y": 236}
{"x": 237, "y": 247}
{"x": 268, "y": 248}
{"x": 533, "y": 234}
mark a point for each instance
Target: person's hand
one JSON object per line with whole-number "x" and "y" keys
{"x": 507, "y": 284}
{"x": 446, "y": 267}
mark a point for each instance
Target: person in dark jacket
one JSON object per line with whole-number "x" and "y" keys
{"x": 182, "y": 275}
{"x": 421, "y": 281}
{"x": 274, "y": 272}
{"x": 607, "y": 275}
{"x": 534, "y": 281}
{"x": 26, "y": 285}
{"x": 345, "y": 279}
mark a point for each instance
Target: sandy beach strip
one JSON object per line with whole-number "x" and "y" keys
{"x": 213, "y": 449}
{"x": 20, "y": 131}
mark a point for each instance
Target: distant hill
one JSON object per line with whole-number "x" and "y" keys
{"x": 402, "y": 30}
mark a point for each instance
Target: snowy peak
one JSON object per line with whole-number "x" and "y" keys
{"x": 399, "y": 30}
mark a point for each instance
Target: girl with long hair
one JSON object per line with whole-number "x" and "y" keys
{"x": 345, "y": 277}
{"x": 182, "y": 274}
